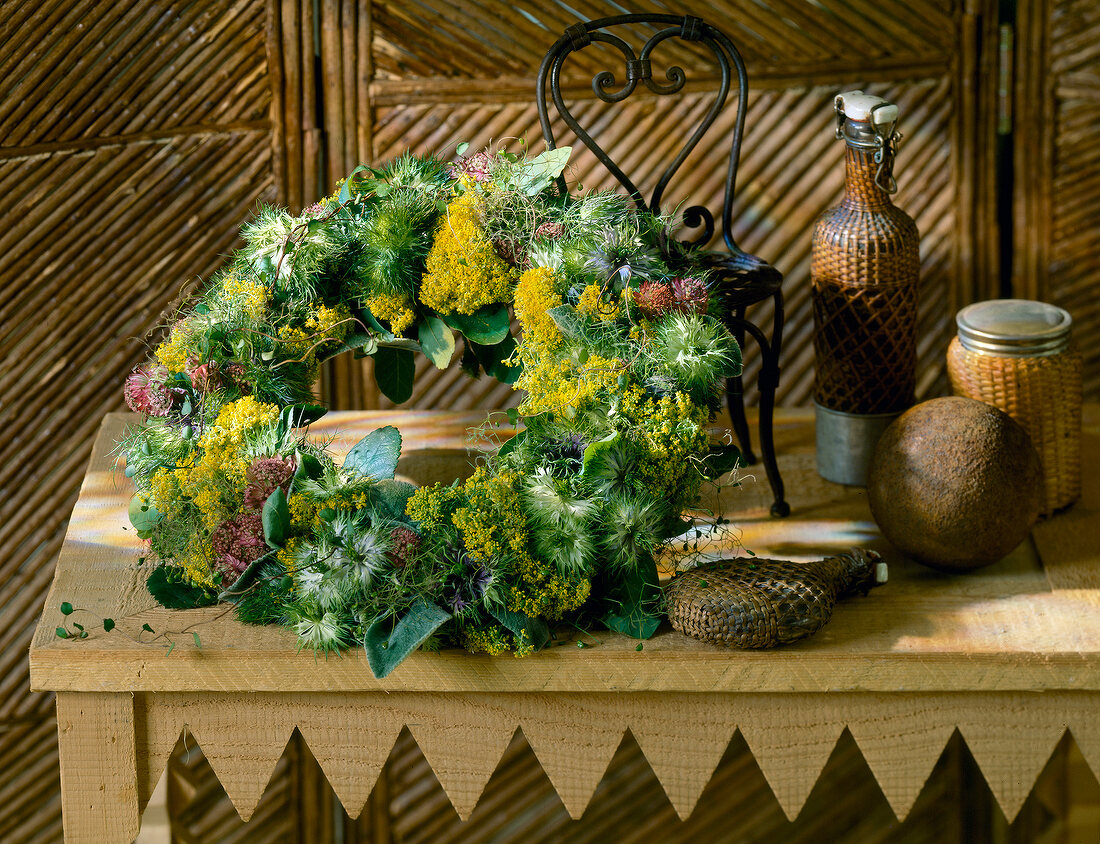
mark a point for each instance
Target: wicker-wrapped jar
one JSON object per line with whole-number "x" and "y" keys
{"x": 1016, "y": 355}
{"x": 865, "y": 269}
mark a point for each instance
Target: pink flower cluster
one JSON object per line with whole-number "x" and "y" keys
{"x": 683, "y": 295}
{"x": 239, "y": 542}
{"x": 406, "y": 543}
{"x": 205, "y": 377}
{"x": 478, "y": 166}
{"x": 550, "y": 230}
{"x": 147, "y": 392}
{"x": 264, "y": 476}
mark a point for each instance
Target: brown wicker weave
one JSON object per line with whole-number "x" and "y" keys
{"x": 759, "y": 603}
{"x": 865, "y": 270}
{"x": 1043, "y": 394}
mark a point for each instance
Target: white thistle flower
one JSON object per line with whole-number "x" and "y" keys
{"x": 320, "y": 634}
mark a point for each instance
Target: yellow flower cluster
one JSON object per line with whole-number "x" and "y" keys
{"x": 491, "y": 520}
{"x": 287, "y": 555}
{"x": 164, "y": 488}
{"x": 323, "y": 325}
{"x": 174, "y": 352}
{"x": 546, "y": 593}
{"x": 296, "y": 341}
{"x": 536, "y": 294}
{"x": 305, "y": 512}
{"x": 330, "y": 323}
{"x": 673, "y": 437}
{"x": 494, "y": 640}
{"x": 564, "y": 387}
{"x": 493, "y": 524}
{"x": 216, "y": 481}
{"x": 593, "y": 305}
{"x": 196, "y": 559}
{"x": 432, "y": 506}
{"x": 250, "y": 297}
{"x": 394, "y": 308}
{"x": 463, "y": 270}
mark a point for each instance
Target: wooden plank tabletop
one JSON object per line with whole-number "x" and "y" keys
{"x": 1023, "y": 624}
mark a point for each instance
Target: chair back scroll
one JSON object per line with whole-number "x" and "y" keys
{"x": 638, "y": 69}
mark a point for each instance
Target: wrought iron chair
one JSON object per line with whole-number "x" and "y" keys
{"x": 740, "y": 279}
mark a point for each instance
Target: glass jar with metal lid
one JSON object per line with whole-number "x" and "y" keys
{"x": 1016, "y": 354}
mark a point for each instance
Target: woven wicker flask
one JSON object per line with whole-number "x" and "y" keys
{"x": 1017, "y": 355}
{"x": 865, "y": 268}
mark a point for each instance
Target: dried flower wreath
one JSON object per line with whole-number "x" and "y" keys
{"x": 621, "y": 357}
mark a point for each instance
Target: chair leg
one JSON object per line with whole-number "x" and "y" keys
{"x": 735, "y": 397}
{"x": 768, "y": 382}
{"x": 735, "y": 401}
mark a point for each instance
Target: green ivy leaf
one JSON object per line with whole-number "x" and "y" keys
{"x": 198, "y": 642}
{"x": 487, "y": 326}
{"x": 376, "y": 455}
{"x": 387, "y": 643}
{"x": 638, "y": 597}
{"x": 345, "y": 189}
{"x": 537, "y": 174}
{"x": 362, "y": 343}
{"x": 596, "y": 452}
{"x": 66, "y": 608}
{"x": 263, "y": 567}
{"x": 147, "y": 628}
{"x": 276, "y": 519}
{"x": 168, "y": 586}
{"x": 493, "y": 359}
{"x": 461, "y": 148}
{"x": 437, "y": 342}
{"x": 300, "y": 415}
{"x": 371, "y": 321}
{"x": 61, "y": 632}
{"x": 308, "y": 467}
{"x": 108, "y": 625}
{"x": 394, "y": 370}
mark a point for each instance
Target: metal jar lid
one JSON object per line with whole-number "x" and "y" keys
{"x": 1014, "y": 328}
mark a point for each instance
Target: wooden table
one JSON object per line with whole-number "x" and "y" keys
{"x": 1008, "y": 655}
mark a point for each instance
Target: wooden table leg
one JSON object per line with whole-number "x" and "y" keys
{"x": 99, "y": 794}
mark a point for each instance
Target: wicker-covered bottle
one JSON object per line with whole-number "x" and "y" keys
{"x": 865, "y": 268}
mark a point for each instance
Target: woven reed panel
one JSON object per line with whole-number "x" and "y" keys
{"x": 134, "y": 137}
{"x": 1058, "y": 166}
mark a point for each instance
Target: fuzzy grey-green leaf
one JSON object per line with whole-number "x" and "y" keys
{"x": 376, "y": 455}
{"x": 388, "y": 644}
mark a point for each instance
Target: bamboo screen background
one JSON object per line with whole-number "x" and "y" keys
{"x": 136, "y": 137}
